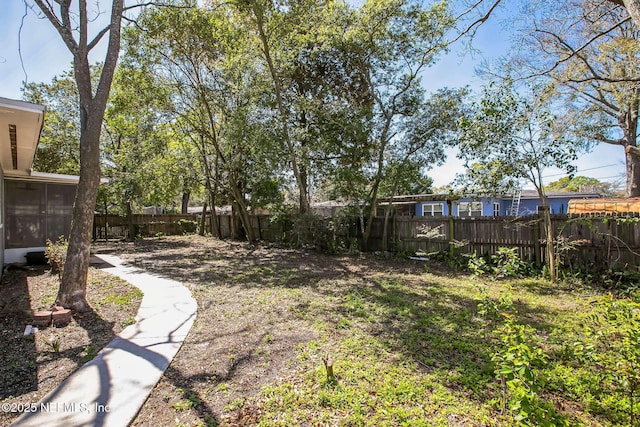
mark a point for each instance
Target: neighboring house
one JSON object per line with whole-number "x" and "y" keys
{"x": 523, "y": 204}
{"x": 34, "y": 206}
{"x": 223, "y": 210}
{"x": 153, "y": 210}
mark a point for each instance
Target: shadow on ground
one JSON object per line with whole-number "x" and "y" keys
{"x": 18, "y": 368}
{"x": 33, "y": 365}
{"x": 257, "y": 305}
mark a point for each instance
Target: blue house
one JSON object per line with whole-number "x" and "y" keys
{"x": 525, "y": 203}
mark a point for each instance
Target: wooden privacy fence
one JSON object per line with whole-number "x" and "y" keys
{"x": 583, "y": 242}
{"x": 117, "y": 227}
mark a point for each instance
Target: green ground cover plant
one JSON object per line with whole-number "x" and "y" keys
{"x": 407, "y": 347}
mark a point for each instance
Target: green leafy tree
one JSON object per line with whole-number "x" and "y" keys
{"x": 318, "y": 88}
{"x": 58, "y": 150}
{"x": 207, "y": 60}
{"x": 140, "y": 156}
{"x": 581, "y": 184}
{"x": 424, "y": 136}
{"x": 587, "y": 55}
{"x": 508, "y": 139}
{"x": 398, "y": 40}
{"x": 73, "y": 28}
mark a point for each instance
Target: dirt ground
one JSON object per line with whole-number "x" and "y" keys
{"x": 267, "y": 317}
{"x": 32, "y": 366}
{"x": 253, "y": 315}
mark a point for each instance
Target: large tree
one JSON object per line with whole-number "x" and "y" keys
{"x": 318, "y": 90}
{"x": 508, "y": 139}
{"x": 587, "y": 54}
{"x": 72, "y": 24}
{"x": 141, "y": 154}
{"x": 398, "y": 39}
{"x": 206, "y": 59}
{"x": 581, "y": 184}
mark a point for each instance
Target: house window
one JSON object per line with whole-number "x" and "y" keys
{"x": 496, "y": 208}
{"x": 470, "y": 209}
{"x": 36, "y": 212}
{"x": 432, "y": 209}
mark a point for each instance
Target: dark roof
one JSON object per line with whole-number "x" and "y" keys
{"x": 526, "y": 194}
{"x": 533, "y": 194}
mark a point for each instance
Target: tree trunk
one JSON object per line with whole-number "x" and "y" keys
{"x": 374, "y": 192}
{"x": 633, "y": 172}
{"x": 203, "y": 220}
{"x": 240, "y": 206}
{"x": 301, "y": 181}
{"x": 548, "y": 232}
{"x": 551, "y": 253}
{"x": 385, "y": 227}
{"x": 628, "y": 122}
{"x": 633, "y": 7}
{"x": 215, "y": 221}
{"x": 185, "y": 202}
{"x": 72, "y": 292}
{"x": 235, "y": 229}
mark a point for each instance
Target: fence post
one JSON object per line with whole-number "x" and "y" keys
{"x": 536, "y": 240}
{"x": 452, "y": 236}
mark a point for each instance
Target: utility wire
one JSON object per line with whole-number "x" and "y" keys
{"x": 582, "y": 170}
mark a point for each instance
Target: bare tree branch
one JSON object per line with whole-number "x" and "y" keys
{"x": 62, "y": 26}
{"x": 630, "y": 149}
{"x": 472, "y": 28}
{"x": 98, "y": 37}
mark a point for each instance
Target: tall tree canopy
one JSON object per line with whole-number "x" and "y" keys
{"x": 58, "y": 150}
{"x": 587, "y": 54}
{"x": 581, "y": 184}
{"x": 508, "y": 139}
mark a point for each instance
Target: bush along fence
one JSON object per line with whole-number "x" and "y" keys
{"x": 585, "y": 243}
{"x": 114, "y": 227}
{"x": 581, "y": 243}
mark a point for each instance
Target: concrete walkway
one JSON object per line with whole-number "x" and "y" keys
{"x": 111, "y": 389}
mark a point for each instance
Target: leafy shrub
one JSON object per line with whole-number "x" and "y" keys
{"x": 479, "y": 265}
{"x": 188, "y": 226}
{"x": 326, "y": 234}
{"x": 507, "y": 263}
{"x": 518, "y": 361}
{"x": 56, "y": 254}
{"x": 613, "y": 346}
{"x": 504, "y": 263}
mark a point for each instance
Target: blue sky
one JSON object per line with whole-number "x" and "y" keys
{"x": 44, "y": 56}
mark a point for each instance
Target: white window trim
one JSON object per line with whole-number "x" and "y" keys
{"x": 431, "y": 210}
{"x": 470, "y": 210}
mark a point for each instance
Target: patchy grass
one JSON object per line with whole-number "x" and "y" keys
{"x": 34, "y": 365}
{"x": 408, "y": 347}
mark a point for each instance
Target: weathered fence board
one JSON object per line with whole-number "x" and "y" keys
{"x": 117, "y": 227}
{"x": 594, "y": 242}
